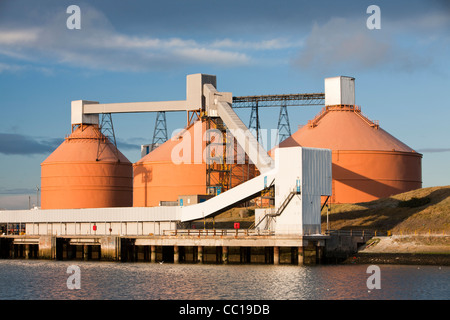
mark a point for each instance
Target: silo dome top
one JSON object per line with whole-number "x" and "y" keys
{"x": 83, "y": 146}
{"x": 344, "y": 128}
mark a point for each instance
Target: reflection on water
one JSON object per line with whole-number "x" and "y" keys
{"x": 40, "y": 279}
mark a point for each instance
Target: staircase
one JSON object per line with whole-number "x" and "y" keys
{"x": 278, "y": 212}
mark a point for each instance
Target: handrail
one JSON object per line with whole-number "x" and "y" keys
{"x": 356, "y": 109}
{"x": 320, "y": 115}
{"x": 284, "y": 204}
{"x": 217, "y": 232}
{"x": 358, "y": 233}
{"x": 374, "y": 123}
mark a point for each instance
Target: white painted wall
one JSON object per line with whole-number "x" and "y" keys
{"x": 312, "y": 167}
{"x": 339, "y": 90}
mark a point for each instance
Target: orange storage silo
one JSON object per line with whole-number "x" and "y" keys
{"x": 177, "y": 167}
{"x": 72, "y": 176}
{"x": 367, "y": 162}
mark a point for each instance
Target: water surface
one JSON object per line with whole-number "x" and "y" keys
{"x": 45, "y": 280}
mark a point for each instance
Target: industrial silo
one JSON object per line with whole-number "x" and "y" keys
{"x": 367, "y": 162}
{"x": 178, "y": 168}
{"x": 86, "y": 171}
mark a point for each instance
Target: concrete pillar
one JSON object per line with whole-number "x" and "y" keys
{"x": 47, "y": 247}
{"x": 319, "y": 254}
{"x": 225, "y": 254}
{"x": 27, "y": 251}
{"x": 276, "y": 255}
{"x": 109, "y": 248}
{"x": 85, "y": 252}
{"x": 135, "y": 252}
{"x": 300, "y": 256}
{"x": 309, "y": 254}
{"x": 176, "y": 254}
{"x": 200, "y": 254}
{"x": 153, "y": 253}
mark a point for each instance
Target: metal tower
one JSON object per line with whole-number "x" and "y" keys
{"x": 160, "y": 132}
{"x": 254, "y": 120}
{"x": 107, "y": 129}
{"x": 284, "y": 129}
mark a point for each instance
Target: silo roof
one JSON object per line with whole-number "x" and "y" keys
{"x": 82, "y": 146}
{"x": 345, "y": 129}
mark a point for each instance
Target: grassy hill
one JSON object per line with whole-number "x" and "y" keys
{"x": 419, "y": 211}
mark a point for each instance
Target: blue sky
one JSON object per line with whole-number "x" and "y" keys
{"x": 142, "y": 51}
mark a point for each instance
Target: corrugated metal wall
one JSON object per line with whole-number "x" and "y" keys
{"x": 316, "y": 171}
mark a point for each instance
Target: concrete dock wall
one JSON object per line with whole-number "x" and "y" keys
{"x": 343, "y": 243}
{"x": 172, "y": 249}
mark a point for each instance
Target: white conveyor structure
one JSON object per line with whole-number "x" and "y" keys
{"x": 300, "y": 175}
{"x": 226, "y": 200}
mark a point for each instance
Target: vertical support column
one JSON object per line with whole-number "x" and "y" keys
{"x": 109, "y": 248}
{"x": 47, "y": 247}
{"x": 85, "y": 252}
{"x": 64, "y": 255}
{"x": 27, "y": 251}
{"x": 225, "y": 254}
{"x": 67, "y": 251}
{"x": 152, "y": 253}
{"x": 300, "y": 256}
{"x": 135, "y": 251}
{"x": 319, "y": 254}
{"x": 309, "y": 253}
{"x": 176, "y": 254}
{"x": 200, "y": 254}
{"x": 276, "y": 255}
{"x": 12, "y": 251}
{"x": 218, "y": 254}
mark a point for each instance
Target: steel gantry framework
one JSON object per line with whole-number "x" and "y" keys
{"x": 284, "y": 131}
{"x": 276, "y": 100}
{"x": 255, "y": 102}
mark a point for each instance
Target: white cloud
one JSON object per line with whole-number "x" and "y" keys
{"x": 345, "y": 44}
{"x": 10, "y": 67}
{"x": 341, "y": 42}
{"x": 271, "y": 44}
{"x": 17, "y": 37}
{"x": 99, "y": 46}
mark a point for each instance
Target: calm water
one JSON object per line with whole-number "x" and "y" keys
{"x": 40, "y": 279}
